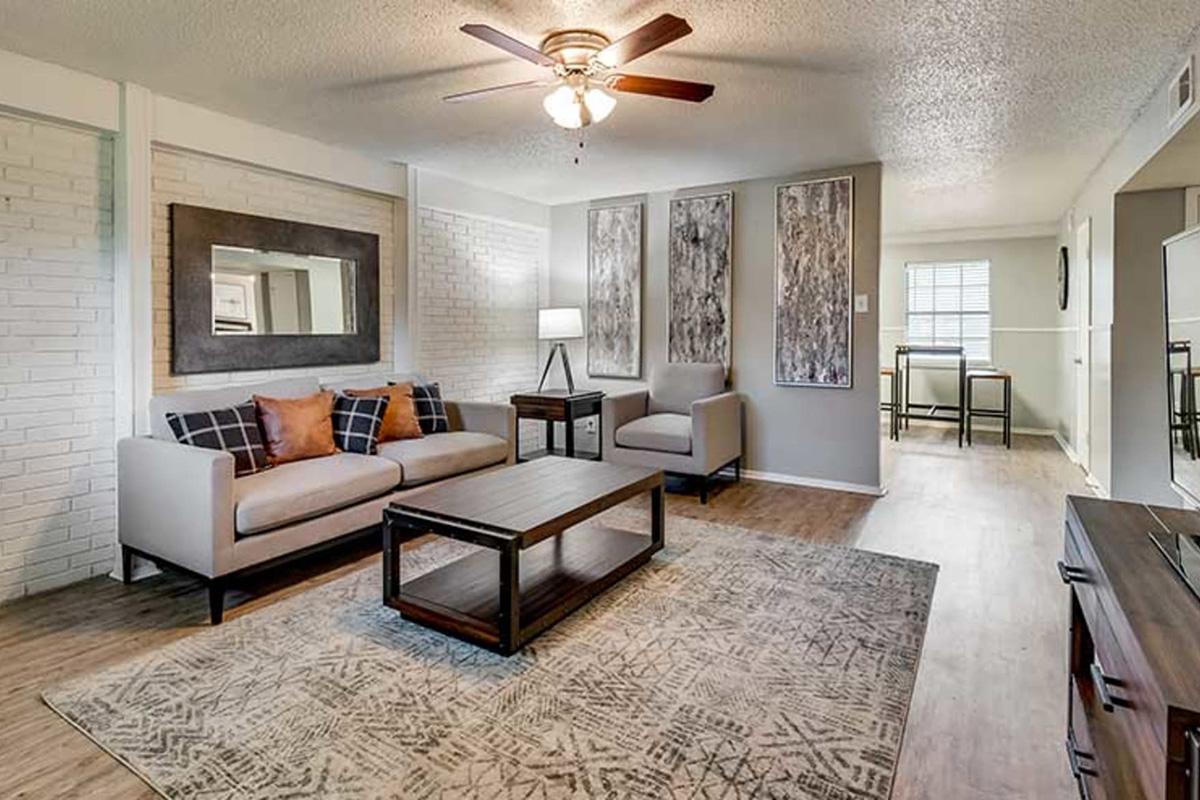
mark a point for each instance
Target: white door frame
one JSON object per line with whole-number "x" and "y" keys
{"x": 1082, "y": 273}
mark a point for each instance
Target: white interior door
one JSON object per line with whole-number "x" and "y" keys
{"x": 1082, "y": 272}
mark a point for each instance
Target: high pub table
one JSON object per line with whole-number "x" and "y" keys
{"x": 931, "y": 411}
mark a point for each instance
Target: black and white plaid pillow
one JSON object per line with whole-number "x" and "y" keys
{"x": 234, "y": 430}
{"x": 356, "y": 423}
{"x": 431, "y": 409}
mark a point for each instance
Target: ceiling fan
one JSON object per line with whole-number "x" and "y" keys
{"x": 584, "y": 64}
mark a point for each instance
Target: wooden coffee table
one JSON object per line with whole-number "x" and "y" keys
{"x": 538, "y": 563}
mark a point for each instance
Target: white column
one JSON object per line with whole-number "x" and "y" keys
{"x": 133, "y": 312}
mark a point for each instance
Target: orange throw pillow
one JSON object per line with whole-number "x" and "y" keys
{"x": 296, "y": 428}
{"x": 400, "y": 419}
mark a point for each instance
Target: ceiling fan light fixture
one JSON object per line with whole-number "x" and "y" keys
{"x": 564, "y": 107}
{"x": 599, "y": 103}
{"x": 582, "y": 63}
{"x": 574, "y": 107}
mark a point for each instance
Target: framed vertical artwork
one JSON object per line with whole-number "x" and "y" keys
{"x": 814, "y": 279}
{"x": 614, "y": 292}
{"x": 699, "y": 280}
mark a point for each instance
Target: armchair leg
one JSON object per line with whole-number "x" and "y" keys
{"x": 704, "y": 490}
{"x": 216, "y": 601}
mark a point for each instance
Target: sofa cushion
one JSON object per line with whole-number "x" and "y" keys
{"x": 440, "y": 455}
{"x": 665, "y": 433}
{"x": 400, "y": 421}
{"x": 296, "y": 428}
{"x": 225, "y": 397}
{"x": 430, "y": 408}
{"x": 357, "y": 422}
{"x": 674, "y": 387}
{"x": 304, "y": 489}
{"x": 234, "y": 430}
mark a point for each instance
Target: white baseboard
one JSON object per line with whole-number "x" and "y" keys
{"x": 142, "y": 568}
{"x": 813, "y": 483}
{"x": 1093, "y": 483}
{"x": 988, "y": 427}
{"x": 1065, "y": 446}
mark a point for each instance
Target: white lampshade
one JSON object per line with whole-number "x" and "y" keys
{"x": 599, "y": 103}
{"x": 560, "y": 323}
{"x": 562, "y": 105}
{"x": 566, "y": 105}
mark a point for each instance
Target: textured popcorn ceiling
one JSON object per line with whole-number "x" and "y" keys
{"x": 983, "y": 112}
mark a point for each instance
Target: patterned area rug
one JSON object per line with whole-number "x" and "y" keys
{"x": 735, "y": 665}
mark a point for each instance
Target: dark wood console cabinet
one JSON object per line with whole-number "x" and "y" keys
{"x": 1134, "y": 655}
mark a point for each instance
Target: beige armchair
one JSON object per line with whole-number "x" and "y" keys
{"x": 686, "y": 424}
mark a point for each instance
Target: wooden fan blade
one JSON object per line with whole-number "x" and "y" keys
{"x": 651, "y": 36}
{"x": 662, "y": 87}
{"x": 508, "y": 44}
{"x": 479, "y": 94}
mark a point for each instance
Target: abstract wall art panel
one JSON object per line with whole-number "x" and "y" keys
{"x": 614, "y": 333}
{"x": 700, "y": 276}
{"x": 814, "y": 276}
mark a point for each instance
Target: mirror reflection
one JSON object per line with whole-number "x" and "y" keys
{"x": 264, "y": 293}
{"x": 1182, "y": 261}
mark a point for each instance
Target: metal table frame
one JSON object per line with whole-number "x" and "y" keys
{"x": 933, "y": 411}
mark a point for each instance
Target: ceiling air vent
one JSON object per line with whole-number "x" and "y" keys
{"x": 1182, "y": 93}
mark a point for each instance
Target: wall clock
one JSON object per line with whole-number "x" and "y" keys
{"x": 1064, "y": 276}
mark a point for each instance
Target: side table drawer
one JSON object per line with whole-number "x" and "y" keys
{"x": 551, "y": 412}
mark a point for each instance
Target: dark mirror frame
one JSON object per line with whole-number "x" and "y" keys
{"x": 194, "y": 346}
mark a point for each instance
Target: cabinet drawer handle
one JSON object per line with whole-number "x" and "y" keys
{"x": 1071, "y": 574}
{"x": 1100, "y": 681}
{"x": 1073, "y": 756}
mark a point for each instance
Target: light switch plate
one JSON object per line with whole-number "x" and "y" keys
{"x": 862, "y": 303}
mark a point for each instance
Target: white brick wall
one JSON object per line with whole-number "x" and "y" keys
{"x": 477, "y": 300}
{"x": 57, "y": 502}
{"x": 183, "y": 177}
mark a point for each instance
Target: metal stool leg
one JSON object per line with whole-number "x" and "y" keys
{"x": 1008, "y": 413}
{"x": 969, "y": 407}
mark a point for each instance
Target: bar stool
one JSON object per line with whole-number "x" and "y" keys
{"x": 892, "y": 405}
{"x": 1003, "y": 413}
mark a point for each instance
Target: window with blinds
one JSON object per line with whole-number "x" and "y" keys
{"x": 949, "y": 303}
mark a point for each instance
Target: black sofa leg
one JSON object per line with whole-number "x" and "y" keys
{"x": 704, "y": 490}
{"x": 126, "y": 565}
{"x": 216, "y": 601}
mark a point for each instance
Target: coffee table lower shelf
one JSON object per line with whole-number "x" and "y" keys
{"x": 556, "y": 577}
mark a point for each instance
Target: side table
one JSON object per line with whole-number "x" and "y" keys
{"x": 559, "y": 405}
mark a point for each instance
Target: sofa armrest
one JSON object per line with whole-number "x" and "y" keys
{"x": 498, "y": 419}
{"x": 175, "y": 501}
{"x": 617, "y": 410}
{"x": 717, "y": 430}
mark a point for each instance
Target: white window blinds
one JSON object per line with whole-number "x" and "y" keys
{"x": 949, "y": 303}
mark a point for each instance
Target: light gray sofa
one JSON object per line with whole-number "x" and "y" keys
{"x": 686, "y": 423}
{"x": 182, "y": 505}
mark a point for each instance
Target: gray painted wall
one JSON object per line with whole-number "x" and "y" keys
{"x": 816, "y": 434}
{"x": 1025, "y": 322}
{"x": 1140, "y": 459}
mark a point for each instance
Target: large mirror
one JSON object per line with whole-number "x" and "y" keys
{"x": 254, "y": 293}
{"x": 1181, "y": 259}
{"x": 263, "y": 293}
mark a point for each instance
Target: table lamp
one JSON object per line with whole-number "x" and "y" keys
{"x": 557, "y": 325}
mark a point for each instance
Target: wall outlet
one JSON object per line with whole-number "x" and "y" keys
{"x": 862, "y": 303}
{"x": 589, "y": 425}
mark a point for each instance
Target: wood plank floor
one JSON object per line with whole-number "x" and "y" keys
{"x": 987, "y": 719}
